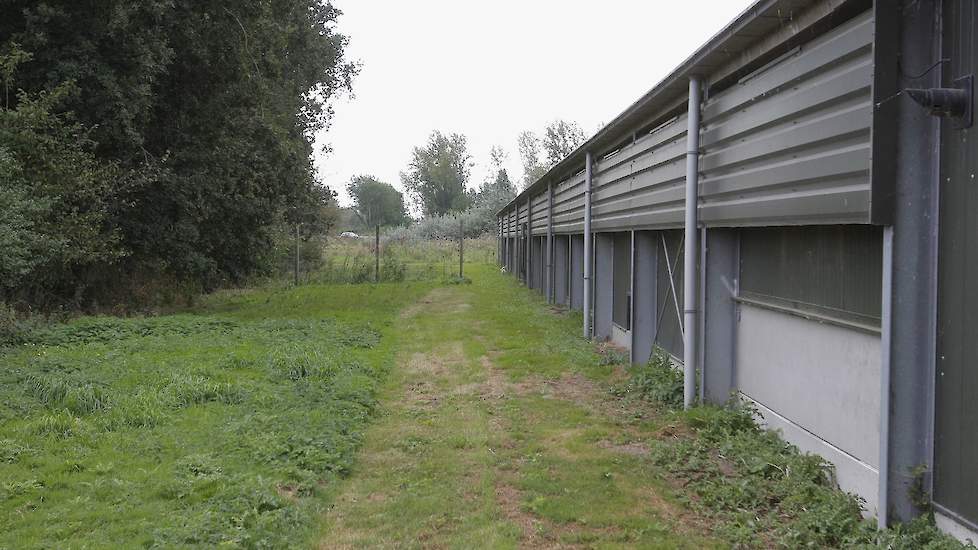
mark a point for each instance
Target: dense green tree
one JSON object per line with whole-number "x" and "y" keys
{"x": 204, "y": 113}
{"x": 560, "y": 139}
{"x": 499, "y": 186}
{"x": 530, "y": 150}
{"x": 497, "y": 190}
{"x": 54, "y": 202}
{"x": 438, "y": 175}
{"x": 376, "y": 202}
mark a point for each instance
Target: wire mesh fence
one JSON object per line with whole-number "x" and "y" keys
{"x": 357, "y": 260}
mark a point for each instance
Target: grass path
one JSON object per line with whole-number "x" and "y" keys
{"x": 498, "y": 431}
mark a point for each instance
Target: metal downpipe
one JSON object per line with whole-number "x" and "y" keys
{"x": 528, "y": 244}
{"x": 549, "y": 275}
{"x": 691, "y": 253}
{"x": 587, "y": 246}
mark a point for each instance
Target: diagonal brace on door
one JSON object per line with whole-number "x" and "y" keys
{"x": 672, "y": 287}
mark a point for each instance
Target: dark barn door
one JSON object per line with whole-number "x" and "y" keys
{"x": 956, "y": 429}
{"x": 621, "y": 293}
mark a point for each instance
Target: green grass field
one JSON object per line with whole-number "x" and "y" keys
{"x": 221, "y": 426}
{"x": 440, "y": 414}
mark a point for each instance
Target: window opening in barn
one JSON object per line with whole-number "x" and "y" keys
{"x": 829, "y": 271}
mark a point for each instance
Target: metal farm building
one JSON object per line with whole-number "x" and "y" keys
{"x": 785, "y": 216}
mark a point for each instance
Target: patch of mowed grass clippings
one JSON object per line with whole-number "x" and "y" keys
{"x": 761, "y": 490}
{"x": 219, "y": 427}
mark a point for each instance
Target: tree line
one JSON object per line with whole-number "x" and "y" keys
{"x": 161, "y": 144}
{"x": 159, "y": 139}
{"x": 437, "y": 180}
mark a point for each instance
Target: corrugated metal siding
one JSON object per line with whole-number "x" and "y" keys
{"x": 569, "y": 205}
{"x": 643, "y": 183}
{"x": 792, "y": 143}
{"x": 541, "y": 212}
{"x": 788, "y": 145}
{"x": 956, "y": 442}
{"x": 512, "y": 223}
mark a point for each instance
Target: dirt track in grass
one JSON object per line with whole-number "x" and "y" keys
{"x": 498, "y": 430}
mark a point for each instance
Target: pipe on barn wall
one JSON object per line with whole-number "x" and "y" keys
{"x": 587, "y": 245}
{"x": 690, "y": 298}
{"x": 516, "y": 241}
{"x": 510, "y": 243}
{"x": 528, "y": 243}
{"x": 701, "y": 350}
{"x": 499, "y": 241}
{"x": 549, "y": 283}
{"x": 513, "y": 235}
{"x": 520, "y": 246}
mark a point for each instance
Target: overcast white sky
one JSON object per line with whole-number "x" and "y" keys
{"x": 490, "y": 70}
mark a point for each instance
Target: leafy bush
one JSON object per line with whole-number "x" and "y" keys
{"x": 763, "y": 489}
{"x": 658, "y": 380}
{"x": 56, "y": 194}
{"x": 15, "y": 328}
{"x": 391, "y": 270}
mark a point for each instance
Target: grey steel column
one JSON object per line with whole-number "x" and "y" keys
{"x": 587, "y": 246}
{"x": 499, "y": 241}
{"x": 549, "y": 283}
{"x": 909, "y": 315}
{"x": 517, "y": 261}
{"x": 718, "y": 312}
{"x": 690, "y": 302}
{"x": 511, "y": 259}
{"x": 506, "y": 242}
{"x": 528, "y": 241}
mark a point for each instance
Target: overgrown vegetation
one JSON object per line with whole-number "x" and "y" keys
{"x": 658, "y": 381}
{"x": 760, "y": 489}
{"x": 353, "y": 261}
{"x": 224, "y": 426}
{"x": 158, "y": 143}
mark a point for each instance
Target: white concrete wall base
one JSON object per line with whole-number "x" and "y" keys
{"x": 823, "y": 377}
{"x": 621, "y": 337}
{"x": 954, "y": 528}
{"x": 852, "y": 474}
